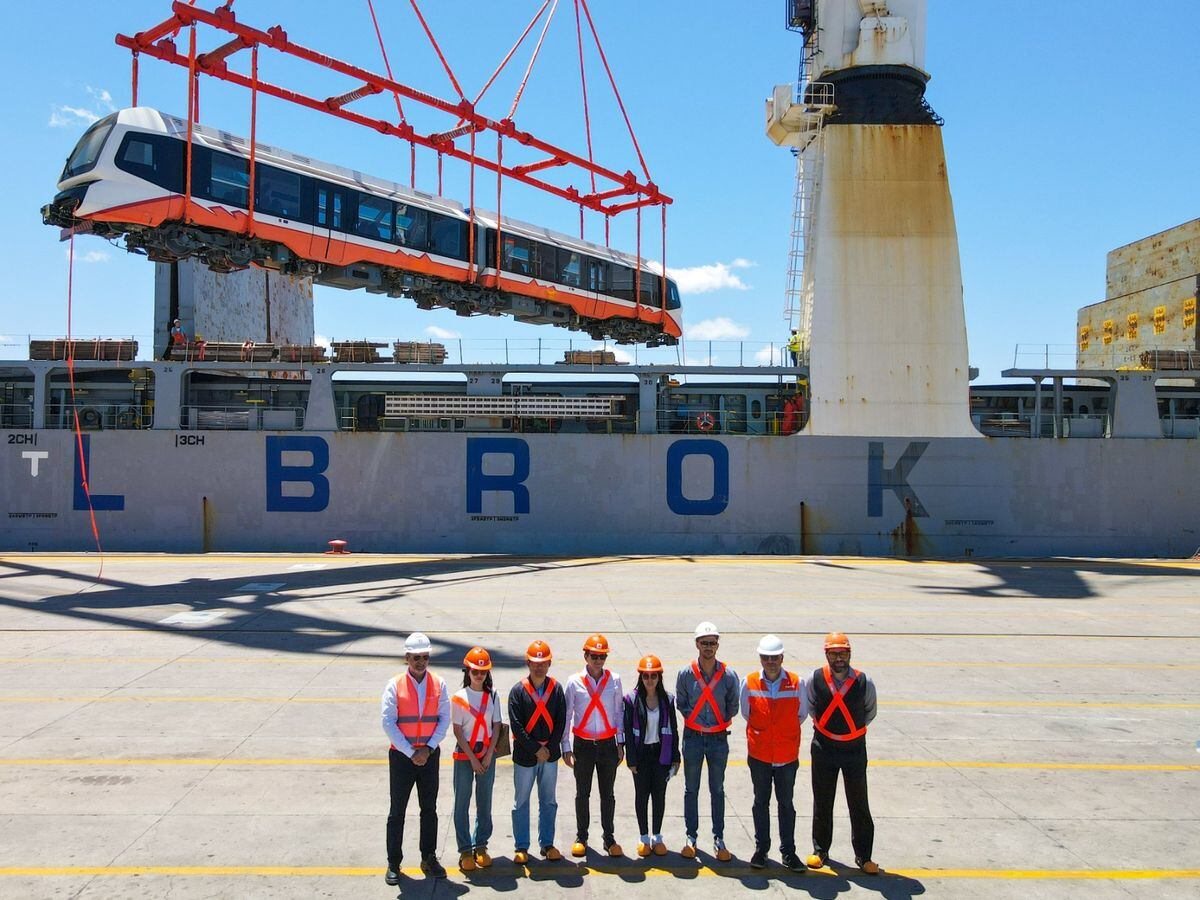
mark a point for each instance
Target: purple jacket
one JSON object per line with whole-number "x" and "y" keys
{"x": 635, "y": 727}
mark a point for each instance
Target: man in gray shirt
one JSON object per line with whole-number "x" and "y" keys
{"x": 707, "y": 696}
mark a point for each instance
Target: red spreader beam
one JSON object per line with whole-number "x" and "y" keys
{"x": 627, "y": 191}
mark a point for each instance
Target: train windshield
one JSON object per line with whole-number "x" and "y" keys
{"x": 87, "y": 151}
{"x": 672, "y": 295}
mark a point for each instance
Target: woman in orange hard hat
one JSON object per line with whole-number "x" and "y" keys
{"x": 842, "y": 702}
{"x": 475, "y": 717}
{"x": 651, "y": 750}
{"x": 595, "y": 746}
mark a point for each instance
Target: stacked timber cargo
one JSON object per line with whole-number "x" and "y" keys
{"x": 291, "y": 353}
{"x": 222, "y": 351}
{"x": 589, "y": 358}
{"x": 356, "y": 351}
{"x": 116, "y": 350}
{"x": 416, "y": 352}
{"x": 1171, "y": 360}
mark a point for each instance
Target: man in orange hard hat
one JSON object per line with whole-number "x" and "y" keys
{"x": 537, "y": 714}
{"x": 843, "y": 703}
{"x": 595, "y": 715}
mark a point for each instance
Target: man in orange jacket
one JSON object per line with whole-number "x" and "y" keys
{"x": 774, "y": 703}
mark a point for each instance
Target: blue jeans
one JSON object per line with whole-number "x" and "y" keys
{"x": 466, "y": 781}
{"x": 546, "y": 776}
{"x": 697, "y": 749}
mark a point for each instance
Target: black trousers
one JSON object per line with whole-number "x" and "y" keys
{"x": 597, "y": 758}
{"x": 826, "y": 764}
{"x": 650, "y": 786}
{"x": 782, "y": 779}
{"x": 403, "y": 775}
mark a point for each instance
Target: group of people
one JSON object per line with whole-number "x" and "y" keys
{"x": 593, "y": 726}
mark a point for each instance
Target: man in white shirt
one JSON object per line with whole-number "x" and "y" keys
{"x": 415, "y": 718}
{"x": 594, "y": 742}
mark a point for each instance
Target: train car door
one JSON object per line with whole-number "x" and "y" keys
{"x": 332, "y": 207}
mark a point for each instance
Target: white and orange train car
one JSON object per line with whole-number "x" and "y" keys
{"x": 126, "y": 179}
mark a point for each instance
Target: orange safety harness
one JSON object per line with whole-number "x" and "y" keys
{"x": 595, "y": 704}
{"x": 707, "y": 698}
{"x": 540, "y": 710}
{"x": 481, "y": 734}
{"x": 838, "y": 702}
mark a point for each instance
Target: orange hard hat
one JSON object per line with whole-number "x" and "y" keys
{"x": 478, "y": 659}
{"x": 597, "y": 643}
{"x": 650, "y": 663}
{"x": 835, "y": 640}
{"x": 538, "y": 651}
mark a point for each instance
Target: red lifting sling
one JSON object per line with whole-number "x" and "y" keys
{"x": 707, "y": 699}
{"x": 839, "y": 703}
{"x": 595, "y": 696}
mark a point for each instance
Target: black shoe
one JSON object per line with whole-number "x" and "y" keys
{"x": 793, "y": 862}
{"x": 759, "y": 859}
{"x": 432, "y": 868}
{"x": 392, "y": 875}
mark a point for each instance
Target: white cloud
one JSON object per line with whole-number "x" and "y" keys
{"x": 91, "y": 256}
{"x": 721, "y": 328}
{"x": 102, "y": 98}
{"x": 769, "y": 356}
{"x": 713, "y": 277}
{"x": 444, "y": 334}
{"x": 71, "y": 117}
{"x": 320, "y": 340}
{"x": 622, "y": 355}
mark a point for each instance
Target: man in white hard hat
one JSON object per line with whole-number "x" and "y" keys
{"x": 706, "y": 695}
{"x": 416, "y": 716}
{"x": 774, "y": 702}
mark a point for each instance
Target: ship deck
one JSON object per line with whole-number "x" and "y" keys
{"x": 202, "y": 726}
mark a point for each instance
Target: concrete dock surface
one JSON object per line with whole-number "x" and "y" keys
{"x": 208, "y": 726}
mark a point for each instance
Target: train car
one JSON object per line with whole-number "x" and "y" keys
{"x": 126, "y": 179}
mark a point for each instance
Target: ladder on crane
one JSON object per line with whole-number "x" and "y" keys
{"x": 817, "y": 101}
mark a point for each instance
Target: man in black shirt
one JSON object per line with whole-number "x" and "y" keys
{"x": 537, "y": 714}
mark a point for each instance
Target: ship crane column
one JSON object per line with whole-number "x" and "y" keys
{"x": 876, "y": 283}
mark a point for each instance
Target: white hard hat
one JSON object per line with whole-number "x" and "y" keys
{"x": 706, "y": 629}
{"x": 417, "y": 643}
{"x": 770, "y": 645}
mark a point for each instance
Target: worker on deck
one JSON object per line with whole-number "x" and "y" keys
{"x": 176, "y": 339}
{"x": 475, "y": 717}
{"x": 537, "y": 714}
{"x": 416, "y": 716}
{"x": 843, "y": 704}
{"x": 652, "y": 751}
{"x": 595, "y": 746}
{"x": 794, "y": 344}
{"x": 774, "y": 703}
{"x": 706, "y": 693}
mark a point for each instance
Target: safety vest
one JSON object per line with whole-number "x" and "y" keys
{"x": 417, "y": 724}
{"x": 707, "y": 698}
{"x": 838, "y": 710}
{"x": 481, "y": 732}
{"x": 540, "y": 710}
{"x": 608, "y": 730}
{"x": 794, "y": 343}
{"x": 773, "y": 728}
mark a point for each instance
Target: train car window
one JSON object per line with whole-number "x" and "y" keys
{"x": 412, "y": 226}
{"x": 447, "y": 237}
{"x": 597, "y": 276}
{"x": 229, "y": 179}
{"x": 622, "y": 282}
{"x": 154, "y": 158}
{"x": 374, "y": 219}
{"x": 331, "y": 207}
{"x": 545, "y": 261}
{"x": 87, "y": 151}
{"x": 276, "y": 192}
{"x": 673, "y": 301}
{"x": 570, "y": 266}
{"x": 514, "y": 255}
{"x": 649, "y": 286}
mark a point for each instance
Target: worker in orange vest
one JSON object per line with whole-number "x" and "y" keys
{"x": 475, "y": 717}
{"x": 774, "y": 703}
{"x": 843, "y": 704}
{"x": 596, "y": 743}
{"x": 537, "y": 714}
{"x": 416, "y": 716}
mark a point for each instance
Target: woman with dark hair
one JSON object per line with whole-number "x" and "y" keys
{"x": 651, "y": 750}
{"x": 475, "y": 715}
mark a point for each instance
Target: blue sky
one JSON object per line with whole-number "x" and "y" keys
{"x": 1071, "y": 128}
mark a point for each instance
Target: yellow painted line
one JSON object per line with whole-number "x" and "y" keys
{"x": 446, "y": 761}
{"x": 650, "y": 870}
{"x": 972, "y": 704}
